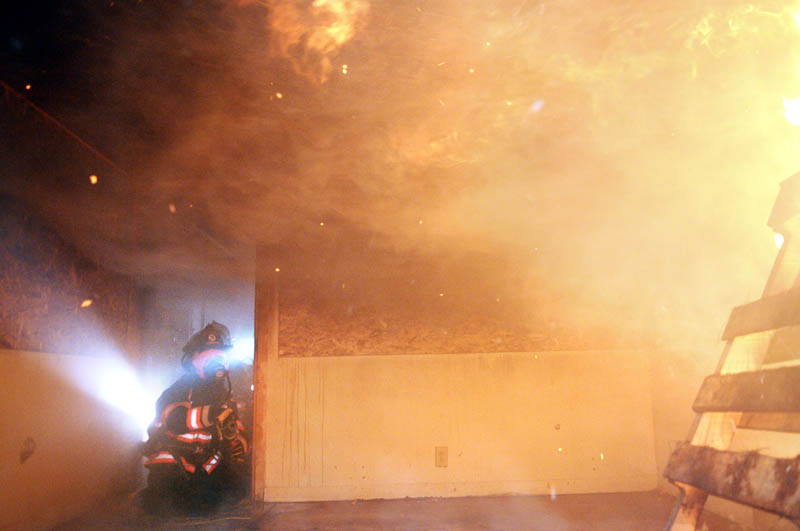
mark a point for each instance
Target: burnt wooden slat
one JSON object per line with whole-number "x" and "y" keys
{"x": 768, "y": 313}
{"x": 787, "y": 204}
{"x": 783, "y": 422}
{"x": 773, "y": 390}
{"x": 749, "y": 478}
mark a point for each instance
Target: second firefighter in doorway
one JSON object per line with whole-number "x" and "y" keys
{"x": 197, "y": 453}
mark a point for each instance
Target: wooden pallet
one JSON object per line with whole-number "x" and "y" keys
{"x": 755, "y": 389}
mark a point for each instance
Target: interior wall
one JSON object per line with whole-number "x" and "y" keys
{"x": 55, "y": 299}
{"x": 523, "y": 423}
{"x": 62, "y": 449}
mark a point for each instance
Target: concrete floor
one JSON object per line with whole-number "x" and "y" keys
{"x": 600, "y": 512}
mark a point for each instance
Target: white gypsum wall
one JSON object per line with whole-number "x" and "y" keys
{"x": 525, "y": 423}
{"x": 83, "y": 450}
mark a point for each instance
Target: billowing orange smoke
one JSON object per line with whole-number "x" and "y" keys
{"x": 310, "y": 36}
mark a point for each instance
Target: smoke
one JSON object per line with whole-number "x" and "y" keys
{"x": 619, "y": 162}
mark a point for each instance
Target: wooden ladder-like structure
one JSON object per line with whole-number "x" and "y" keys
{"x": 755, "y": 389}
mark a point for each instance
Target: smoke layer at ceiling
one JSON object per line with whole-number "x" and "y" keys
{"x": 618, "y": 158}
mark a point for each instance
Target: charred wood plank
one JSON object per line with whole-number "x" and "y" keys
{"x": 767, "y": 313}
{"x": 771, "y": 390}
{"x": 787, "y": 204}
{"x": 749, "y": 478}
{"x": 686, "y": 512}
{"x": 772, "y": 421}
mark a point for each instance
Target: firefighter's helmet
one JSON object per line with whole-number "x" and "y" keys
{"x": 214, "y": 336}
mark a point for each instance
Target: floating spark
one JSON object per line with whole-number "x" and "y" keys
{"x": 86, "y": 303}
{"x": 93, "y": 179}
{"x": 536, "y": 106}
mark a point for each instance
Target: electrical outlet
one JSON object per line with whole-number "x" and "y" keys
{"x": 441, "y": 456}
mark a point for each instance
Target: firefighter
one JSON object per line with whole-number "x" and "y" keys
{"x": 197, "y": 451}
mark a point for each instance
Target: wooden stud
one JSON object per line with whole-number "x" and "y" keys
{"x": 266, "y": 351}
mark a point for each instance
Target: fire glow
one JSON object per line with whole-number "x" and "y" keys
{"x": 791, "y": 110}
{"x": 319, "y": 31}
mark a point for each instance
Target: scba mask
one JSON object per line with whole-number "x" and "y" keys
{"x": 210, "y": 363}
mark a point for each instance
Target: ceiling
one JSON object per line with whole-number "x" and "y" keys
{"x": 610, "y": 162}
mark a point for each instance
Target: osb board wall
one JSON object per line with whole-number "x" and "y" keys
{"x": 43, "y": 282}
{"x": 306, "y": 330}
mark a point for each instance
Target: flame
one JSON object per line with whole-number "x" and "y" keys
{"x": 718, "y": 25}
{"x": 791, "y": 110}
{"x": 310, "y": 36}
{"x": 86, "y": 303}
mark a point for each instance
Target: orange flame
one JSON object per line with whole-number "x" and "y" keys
{"x": 86, "y": 303}
{"x": 311, "y": 36}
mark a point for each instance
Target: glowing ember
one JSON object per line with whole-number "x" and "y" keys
{"x": 27, "y": 87}
{"x": 277, "y": 269}
{"x": 344, "y": 69}
{"x": 279, "y": 95}
{"x": 791, "y": 110}
{"x": 321, "y": 223}
{"x": 86, "y": 303}
{"x": 93, "y": 179}
{"x": 536, "y": 106}
{"x": 172, "y": 208}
